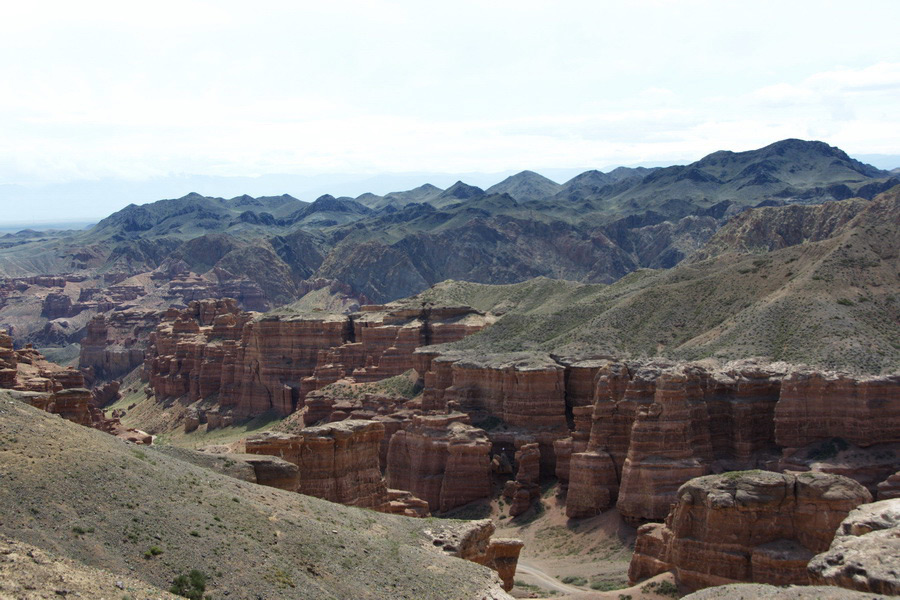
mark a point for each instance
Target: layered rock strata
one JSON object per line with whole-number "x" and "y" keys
{"x": 814, "y": 406}
{"x": 115, "y": 343}
{"x": 337, "y": 461}
{"x": 751, "y": 526}
{"x": 248, "y": 365}
{"x": 650, "y": 426}
{"x": 58, "y": 390}
{"x": 442, "y": 459}
{"x": 525, "y": 488}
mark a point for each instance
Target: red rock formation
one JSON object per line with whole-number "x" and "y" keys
{"x": 670, "y": 443}
{"x": 592, "y": 481}
{"x": 655, "y": 426}
{"x": 525, "y": 488}
{"x": 746, "y": 526}
{"x": 441, "y": 459}
{"x": 816, "y": 406}
{"x": 401, "y": 502}
{"x": 249, "y": 366}
{"x": 337, "y": 461}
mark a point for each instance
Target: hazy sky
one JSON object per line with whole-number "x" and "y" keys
{"x": 104, "y": 90}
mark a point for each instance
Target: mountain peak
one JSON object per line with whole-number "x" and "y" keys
{"x": 526, "y": 186}
{"x": 462, "y": 191}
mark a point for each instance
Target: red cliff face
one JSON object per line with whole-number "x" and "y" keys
{"x": 441, "y": 459}
{"x": 337, "y": 461}
{"x": 815, "y": 406}
{"x": 753, "y": 526}
{"x": 654, "y": 426}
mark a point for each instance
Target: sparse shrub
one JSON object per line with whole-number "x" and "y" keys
{"x": 845, "y": 302}
{"x": 663, "y": 588}
{"x": 574, "y": 580}
{"x": 190, "y": 586}
{"x": 153, "y": 551}
{"x": 607, "y": 585}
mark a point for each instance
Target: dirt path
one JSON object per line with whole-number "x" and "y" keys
{"x": 546, "y": 580}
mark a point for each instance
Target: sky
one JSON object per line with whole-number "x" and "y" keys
{"x": 106, "y": 103}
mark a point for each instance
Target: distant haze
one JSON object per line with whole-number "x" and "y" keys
{"x": 107, "y": 103}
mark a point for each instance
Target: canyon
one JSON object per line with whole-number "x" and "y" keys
{"x": 738, "y": 402}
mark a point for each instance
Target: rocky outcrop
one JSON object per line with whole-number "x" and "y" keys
{"x": 337, "y": 461}
{"x": 890, "y": 487}
{"x": 524, "y": 390}
{"x": 472, "y": 540}
{"x": 651, "y": 426}
{"x": 752, "y": 526}
{"x": 656, "y": 425}
{"x": 58, "y": 390}
{"x": 441, "y": 459}
{"x": 865, "y": 553}
{"x": 256, "y": 468}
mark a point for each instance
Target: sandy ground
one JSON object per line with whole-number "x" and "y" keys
{"x": 564, "y": 558}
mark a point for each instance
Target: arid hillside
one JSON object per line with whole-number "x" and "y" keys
{"x": 83, "y": 495}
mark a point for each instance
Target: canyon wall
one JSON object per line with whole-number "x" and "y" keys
{"x": 441, "y": 459}
{"x": 753, "y": 526}
{"x": 629, "y": 433}
{"x": 56, "y": 389}
{"x": 337, "y": 461}
{"x": 247, "y": 365}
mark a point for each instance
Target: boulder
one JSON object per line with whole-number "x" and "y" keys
{"x": 865, "y": 552}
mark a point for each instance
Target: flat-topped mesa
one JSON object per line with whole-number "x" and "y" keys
{"x": 864, "y": 411}
{"x": 337, "y": 461}
{"x": 752, "y": 526}
{"x": 252, "y": 364}
{"x": 441, "y": 459}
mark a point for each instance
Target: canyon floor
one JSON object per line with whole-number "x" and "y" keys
{"x": 580, "y": 559}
